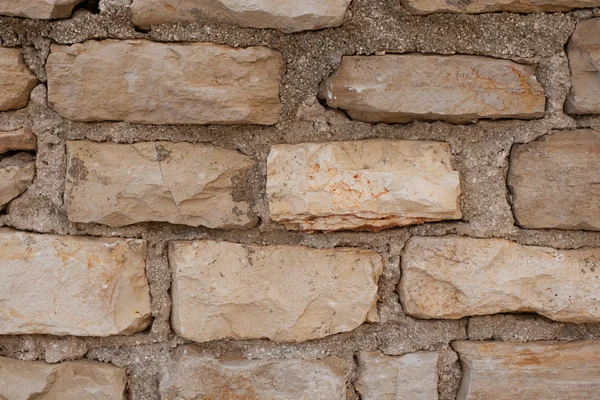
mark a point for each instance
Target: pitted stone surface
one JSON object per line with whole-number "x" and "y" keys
{"x": 484, "y": 6}
{"x": 584, "y": 59}
{"x": 16, "y": 80}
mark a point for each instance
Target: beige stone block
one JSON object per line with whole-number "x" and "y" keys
{"x": 20, "y": 139}
{"x": 583, "y": 50}
{"x": 16, "y": 175}
{"x": 485, "y": 6}
{"x": 38, "y": 9}
{"x": 16, "y": 80}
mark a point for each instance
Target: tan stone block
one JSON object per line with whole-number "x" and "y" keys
{"x": 283, "y": 293}
{"x": 485, "y": 6}
{"x": 361, "y": 185}
{"x": 21, "y": 139}
{"x": 16, "y": 175}
{"x": 16, "y": 80}
{"x": 165, "y": 83}
{"x": 583, "y": 50}
{"x": 411, "y": 87}
{"x": 38, "y": 9}
{"x": 67, "y": 285}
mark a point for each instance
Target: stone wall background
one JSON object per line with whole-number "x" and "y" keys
{"x": 480, "y": 152}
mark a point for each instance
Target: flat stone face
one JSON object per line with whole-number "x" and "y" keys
{"x": 182, "y": 183}
{"x": 165, "y": 83}
{"x": 283, "y": 293}
{"x": 16, "y": 80}
{"x": 361, "y": 185}
{"x": 38, "y": 9}
{"x": 21, "y": 139}
{"x": 458, "y": 89}
{"x": 484, "y": 6}
{"x": 273, "y": 379}
{"x": 285, "y": 15}
{"x": 67, "y": 285}
{"x": 584, "y": 59}
{"x": 73, "y": 380}
{"x": 555, "y": 181}
{"x": 16, "y": 174}
{"x": 525, "y": 371}
{"x": 454, "y": 277}
{"x": 411, "y": 376}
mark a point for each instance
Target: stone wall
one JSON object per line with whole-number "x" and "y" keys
{"x": 332, "y": 199}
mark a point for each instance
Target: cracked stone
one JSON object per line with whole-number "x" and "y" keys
{"x": 454, "y": 277}
{"x": 583, "y": 50}
{"x": 38, "y": 9}
{"x": 285, "y": 15}
{"x": 21, "y": 139}
{"x": 16, "y": 80}
{"x": 524, "y": 371}
{"x": 283, "y": 293}
{"x": 16, "y": 175}
{"x": 486, "y": 6}
{"x": 147, "y": 82}
{"x": 67, "y": 285}
{"x": 412, "y": 87}
{"x": 555, "y": 181}
{"x": 236, "y": 378}
{"x": 181, "y": 183}
{"x": 361, "y": 185}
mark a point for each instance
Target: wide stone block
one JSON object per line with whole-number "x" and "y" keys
{"x": 361, "y": 185}
{"x": 165, "y": 83}
{"x": 285, "y": 15}
{"x": 182, "y": 183}
{"x": 412, "y": 87}
{"x": 485, "y": 6}
{"x": 525, "y": 371}
{"x": 454, "y": 277}
{"x": 192, "y": 374}
{"x": 583, "y": 50}
{"x": 283, "y": 293}
{"x": 21, "y": 139}
{"x": 67, "y": 285}
{"x": 555, "y": 181}
{"x": 72, "y": 380}
{"x": 16, "y": 80}
{"x": 38, "y": 9}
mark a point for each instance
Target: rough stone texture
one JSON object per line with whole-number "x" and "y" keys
{"x": 64, "y": 285}
{"x": 516, "y": 371}
{"x": 283, "y": 293}
{"x": 165, "y": 83}
{"x": 459, "y": 89}
{"x": 555, "y": 181}
{"x": 20, "y": 139}
{"x": 484, "y": 6}
{"x": 361, "y": 185}
{"x": 182, "y": 183}
{"x": 251, "y": 379}
{"x": 16, "y": 174}
{"x": 584, "y": 59}
{"x": 285, "y": 15}
{"x": 75, "y": 380}
{"x": 38, "y": 9}
{"x": 16, "y": 80}
{"x": 411, "y": 376}
{"x": 455, "y": 277}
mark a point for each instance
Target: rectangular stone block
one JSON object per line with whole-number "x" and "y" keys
{"x": 181, "y": 183}
{"x": 283, "y": 293}
{"x": 192, "y": 374}
{"x": 19, "y": 140}
{"x": 16, "y": 80}
{"x": 485, "y": 6}
{"x": 67, "y": 285}
{"x": 412, "y": 376}
{"x": 454, "y": 277}
{"x": 165, "y": 83}
{"x": 361, "y": 185}
{"x": 38, "y": 9}
{"x": 526, "y": 371}
{"x": 285, "y": 15}
{"x": 410, "y": 87}
{"x": 555, "y": 181}
{"x": 72, "y": 380}
{"x": 583, "y": 49}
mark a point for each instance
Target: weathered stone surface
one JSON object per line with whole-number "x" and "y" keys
{"x": 67, "y": 285}
{"x": 21, "y": 139}
{"x": 459, "y": 89}
{"x": 182, "y": 183}
{"x": 38, "y": 9}
{"x": 361, "y": 185}
{"x": 283, "y": 293}
{"x": 453, "y": 277}
{"x": 555, "y": 181}
{"x": 16, "y": 80}
{"x": 484, "y": 6}
{"x": 285, "y": 15}
{"x": 584, "y": 58}
{"x": 273, "y": 379}
{"x": 165, "y": 83}
{"x": 16, "y": 174}
{"x": 411, "y": 376}
{"x": 524, "y": 371}
{"x": 74, "y": 380}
